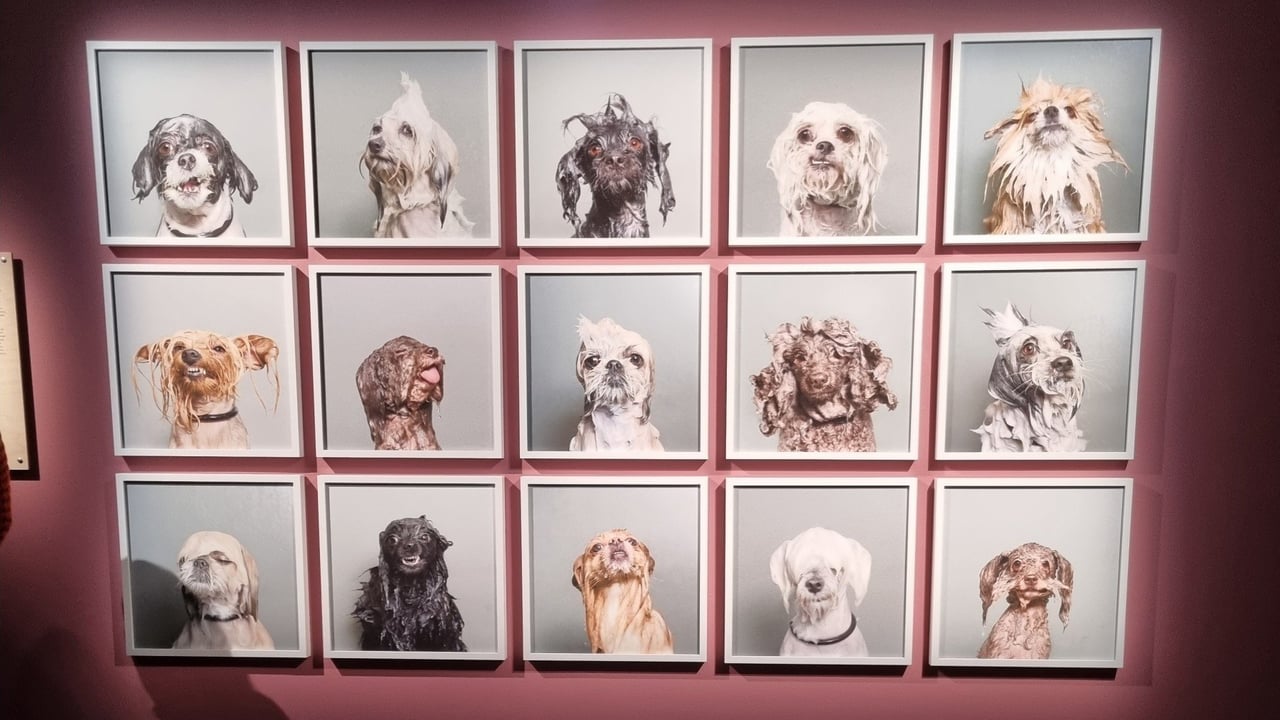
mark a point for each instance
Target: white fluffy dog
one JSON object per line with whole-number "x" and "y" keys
{"x": 615, "y": 367}
{"x": 413, "y": 165}
{"x": 815, "y": 571}
{"x": 828, "y": 163}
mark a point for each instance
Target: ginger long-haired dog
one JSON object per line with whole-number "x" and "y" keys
{"x": 219, "y": 578}
{"x": 1026, "y": 577}
{"x": 613, "y": 575}
{"x": 1045, "y": 170}
{"x": 194, "y": 374}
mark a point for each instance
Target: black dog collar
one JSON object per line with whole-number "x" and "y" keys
{"x": 219, "y": 417}
{"x": 212, "y": 233}
{"x": 853, "y": 624}
{"x": 215, "y": 618}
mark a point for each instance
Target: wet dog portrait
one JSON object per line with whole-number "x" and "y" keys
{"x": 219, "y": 581}
{"x": 616, "y": 369}
{"x": 1025, "y": 578}
{"x": 613, "y": 574}
{"x": 400, "y": 384}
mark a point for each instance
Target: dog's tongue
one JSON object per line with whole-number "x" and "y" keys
{"x": 431, "y": 375}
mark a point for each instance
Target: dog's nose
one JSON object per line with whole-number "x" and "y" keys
{"x": 1051, "y": 113}
{"x": 824, "y": 147}
{"x": 201, "y": 563}
{"x": 613, "y": 366}
{"x": 191, "y": 356}
{"x": 186, "y": 161}
{"x": 814, "y": 585}
{"x": 376, "y": 145}
{"x": 1062, "y": 364}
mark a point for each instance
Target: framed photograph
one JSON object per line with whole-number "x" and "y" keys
{"x": 819, "y": 570}
{"x": 1049, "y": 138}
{"x": 436, "y": 543}
{"x": 1049, "y": 558}
{"x": 13, "y": 390}
{"x": 383, "y": 340}
{"x": 613, "y": 361}
{"x": 401, "y": 143}
{"x": 829, "y": 140}
{"x": 1039, "y": 360}
{"x": 190, "y": 143}
{"x": 203, "y": 359}
{"x": 824, "y": 361}
{"x": 213, "y": 565}
{"x": 614, "y": 569}
{"x": 631, "y": 118}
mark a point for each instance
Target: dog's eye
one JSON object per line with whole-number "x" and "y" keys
{"x": 393, "y": 540}
{"x": 632, "y": 541}
{"x": 834, "y": 571}
{"x": 209, "y": 148}
{"x": 636, "y": 359}
{"x": 797, "y": 357}
{"x": 1016, "y": 566}
{"x": 1071, "y": 111}
{"x": 1044, "y": 564}
{"x": 635, "y": 143}
{"x": 597, "y": 548}
{"x": 805, "y": 135}
{"x": 165, "y": 149}
{"x": 591, "y": 362}
{"x": 219, "y": 348}
{"x": 377, "y": 128}
{"x": 1029, "y": 349}
{"x": 594, "y": 150}
{"x": 846, "y": 134}
{"x": 406, "y": 130}
{"x": 179, "y": 346}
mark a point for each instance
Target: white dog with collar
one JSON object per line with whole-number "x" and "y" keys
{"x": 815, "y": 571}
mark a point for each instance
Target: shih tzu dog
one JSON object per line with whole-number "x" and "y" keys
{"x": 821, "y": 386}
{"x": 405, "y": 604}
{"x": 822, "y": 576}
{"x": 828, "y": 162}
{"x": 219, "y": 579}
{"x": 194, "y": 378}
{"x": 195, "y": 172}
{"x": 413, "y": 168}
{"x": 399, "y": 384}
{"x": 613, "y": 574}
{"x": 615, "y": 368}
{"x": 617, "y": 158}
{"x": 1026, "y": 577}
{"x": 1037, "y": 384}
{"x": 1045, "y": 170}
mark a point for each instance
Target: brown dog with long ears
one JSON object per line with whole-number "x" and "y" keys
{"x": 1026, "y": 577}
{"x": 400, "y": 383}
{"x": 613, "y": 575}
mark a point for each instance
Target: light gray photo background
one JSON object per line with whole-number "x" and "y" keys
{"x": 766, "y": 517}
{"x": 151, "y": 306}
{"x": 1098, "y": 305}
{"x": 233, "y": 89}
{"x": 880, "y": 305}
{"x": 883, "y": 82}
{"x": 161, "y": 516}
{"x": 350, "y": 89}
{"x": 564, "y": 518}
{"x": 663, "y": 85}
{"x": 992, "y": 75}
{"x": 359, "y": 313}
{"x": 463, "y": 513}
{"x": 666, "y": 309}
{"x": 1084, "y": 524}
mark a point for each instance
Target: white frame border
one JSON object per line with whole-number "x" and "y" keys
{"x": 317, "y": 351}
{"x": 735, "y": 139}
{"x": 910, "y": 484}
{"x": 490, "y": 50}
{"x": 950, "y": 237}
{"x": 295, "y": 481}
{"x": 704, "y": 560}
{"x": 708, "y": 58}
{"x": 93, "y": 47}
{"x": 940, "y": 486}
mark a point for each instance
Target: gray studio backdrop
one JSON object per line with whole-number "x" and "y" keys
{"x": 1083, "y": 524}
{"x": 1098, "y": 305}
{"x": 883, "y": 82}
{"x": 358, "y": 313}
{"x": 350, "y": 89}
{"x": 880, "y": 305}
{"x": 161, "y": 516}
{"x": 233, "y": 89}
{"x": 150, "y": 306}
{"x": 462, "y": 513}
{"x": 664, "y": 308}
{"x": 663, "y": 85}
{"x": 766, "y": 517}
{"x": 562, "y": 519}
{"x": 992, "y": 76}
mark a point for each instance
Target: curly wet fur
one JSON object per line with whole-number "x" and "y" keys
{"x": 400, "y": 384}
{"x": 1026, "y": 577}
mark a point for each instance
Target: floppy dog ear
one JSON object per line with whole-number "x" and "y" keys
{"x": 247, "y": 600}
{"x": 257, "y": 351}
{"x": 775, "y": 387}
{"x": 659, "y": 152}
{"x": 987, "y": 581}
{"x": 1066, "y": 576}
{"x": 145, "y": 173}
{"x": 872, "y": 157}
{"x": 857, "y": 566}
{"x": 779, "y": 575}
{"x": 579, "y": 573}
{"x": 877, "y": 370}
{"x": 1003, "y": 126}
{"x": 239, "y": 178}
{"x": 442, "y": 168}
{"x": 568, "y": 179}
{"x": 147, "y": 353}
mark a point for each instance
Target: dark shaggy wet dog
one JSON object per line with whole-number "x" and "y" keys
{"x": 406, "y": 605}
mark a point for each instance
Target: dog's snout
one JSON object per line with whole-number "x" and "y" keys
{"x": 1063, "y": 364}
{"x": 1051, "y": 113}
{"x": 613, "y": 366}
{"x": 200, "y": 563}
{"x": 186, "y": 161}
{"x": 824, "y": 147}
{"x": 376, "y": 145}
{"x": 814, "y": 585}
{"x": 191, "y": 356}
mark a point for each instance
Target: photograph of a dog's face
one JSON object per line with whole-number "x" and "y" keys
{"x": 216, "y": 375}
{"x": 401, "y": 146}
{"x": 1039, "y": 362}
{"x": 191, "y": 146}
{"x": 1080, "y": 108}
{"x": 819, "y": 573}
{"x": 1028, "y": 573}
{"x": 400, "y": 369}
{"x": 613, "y": 570}
{"x": 613, "y": 143}
{"x": 823, "y": 362}
{"x": 830, "y": 142}
{"x": 614, "y": 363}
{"x": 412, "y": 567}
{"x": 211, "y": 567}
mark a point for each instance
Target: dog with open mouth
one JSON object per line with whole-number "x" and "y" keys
{"x": 400, "y": 383}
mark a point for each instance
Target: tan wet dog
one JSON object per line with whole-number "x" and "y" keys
{"x": 613, "y": 575}
{"x": 220, "y": 588}
{"x": 1025, "y": 577}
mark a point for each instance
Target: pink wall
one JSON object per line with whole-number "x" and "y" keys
{"x": 1197, "y": 640}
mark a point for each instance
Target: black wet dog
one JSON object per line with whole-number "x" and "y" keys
{"x": 405, "y": 604}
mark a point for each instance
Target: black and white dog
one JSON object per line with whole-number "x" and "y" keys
{"x": 196, "y": 171}
{"x": 618, "y": 158}
{"x": 405, "y": 604}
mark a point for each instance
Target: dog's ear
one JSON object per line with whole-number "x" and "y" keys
{"x": 1066, "y": 576}
{"x": 653, "y": 563}
{"x": 568, "y": 179}
{"x": 257, "y": 351}
{"x": 857, "y": 567}
{"x": 877, "y": 369}
{"x": 987, "y": 581}
{"x": 145, "y": 173}
{"x": 442, "y": 169}
{"x": 770, "y": 398}
{"x": 190, "y": 603}
{"x": 239, "y": 177}
{"x": 660, "y": 151}
{"x": 870, "y": 162}
{"x": 1013, "y": 120}
{"x": 779, "y": 575}
{"x": 247, "y": 601}
{"x": 579, "y": 572}
{"x": 148, "y": 353}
